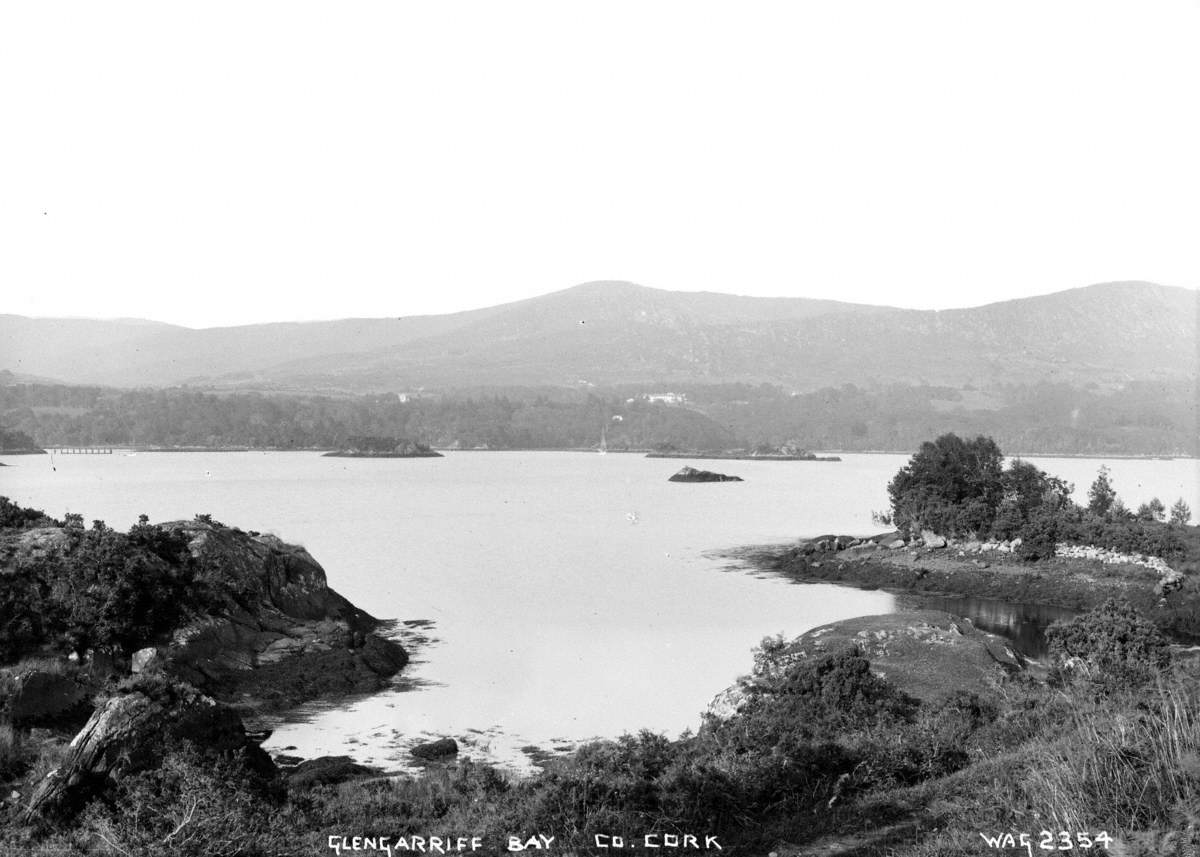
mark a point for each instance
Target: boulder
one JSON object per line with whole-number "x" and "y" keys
{"x": 440, "y": 749}
{"x": 143, "y": 659}
{"x": 691, "y": 474}
{"x": 132, "y": 732}
{"x": 895, "y": 544}
{"x": 43, "y": 698}
{"x": 328, "y": 770}
{"x": 932, "y": 539}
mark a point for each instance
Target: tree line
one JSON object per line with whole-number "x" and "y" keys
{"x": 1140, "y": 418}
{"x": 185, "y": 417}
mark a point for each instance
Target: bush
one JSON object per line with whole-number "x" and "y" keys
{"x": 1115, "y": 642}
{"x": 103, "y": 589}
{"x": 192, "y": 806}
{"x": 1040, "y": 534}
{"x": 13, "y": 516}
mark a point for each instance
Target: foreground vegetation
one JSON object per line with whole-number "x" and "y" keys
{"x": 824, "y": 753}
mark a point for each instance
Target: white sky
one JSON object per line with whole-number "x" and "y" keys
{"x": 232, "y": 162}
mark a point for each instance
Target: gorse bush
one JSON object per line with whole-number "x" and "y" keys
{"x": 1118, "y": 646}
{"x": 191, "y": 806}
{"x": 97, "y": 588}
{"x": 14, "y": 517}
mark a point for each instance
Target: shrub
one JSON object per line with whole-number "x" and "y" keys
{"x": 1040, "y": 533}
{"x": 1114, "y": 640}
{"x": 104, "y": 588}
{"x": 192, "y": 806}
{"x": 13, "y": 516}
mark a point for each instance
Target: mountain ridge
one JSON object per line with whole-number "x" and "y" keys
{"x": 606, "y": 332}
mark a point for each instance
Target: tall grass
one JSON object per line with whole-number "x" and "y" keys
{"x": 1130, "y": 766}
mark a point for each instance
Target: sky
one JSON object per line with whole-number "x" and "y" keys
{"x": 226, "y": 163}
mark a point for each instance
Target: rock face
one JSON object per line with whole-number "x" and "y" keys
{"x": 131, "y": 732}
{"x": 281, "y": 634}
{"x": 925, "y": 653}
{"x": 691, "y": 474}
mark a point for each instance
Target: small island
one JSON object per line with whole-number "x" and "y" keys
{"x": 383, "y": 447}
{"x": 762, "y": 452}
{"x": 691, "y": 474}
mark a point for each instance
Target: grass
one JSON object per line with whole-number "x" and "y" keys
{"x": 14, "y": 752}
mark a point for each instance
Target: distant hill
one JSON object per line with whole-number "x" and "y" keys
{"x": 619, "y": 333}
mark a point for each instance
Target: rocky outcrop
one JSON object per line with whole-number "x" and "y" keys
{"x": 132, "y": 732}
{"x": 280, "y": 634}
{"x": 691, "y": 474}
{"x": 859, "y": 546}
{"x": 925, "y": 653}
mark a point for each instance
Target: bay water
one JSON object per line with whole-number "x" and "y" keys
{"x": 547, "y": 597}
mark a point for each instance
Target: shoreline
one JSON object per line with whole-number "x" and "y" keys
{"x": 737, "y": 456}
{"x": 1062, "y": 583}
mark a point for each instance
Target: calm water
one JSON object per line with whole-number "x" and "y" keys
{"x": 552, "y": 597}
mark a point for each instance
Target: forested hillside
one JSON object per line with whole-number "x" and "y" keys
{"x": 1140, "y": 418}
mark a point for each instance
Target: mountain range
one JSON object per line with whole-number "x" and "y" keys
{"x": 611, "y": 333}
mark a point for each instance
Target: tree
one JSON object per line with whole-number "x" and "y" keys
{"x": 1181, "y": 513}
{"x": 1152, "y": 511}
{"x": 1101, "y": 495}
{"x": 950, "y": 485}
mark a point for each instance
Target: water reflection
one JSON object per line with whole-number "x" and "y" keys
{"x": 1023, "y": 624}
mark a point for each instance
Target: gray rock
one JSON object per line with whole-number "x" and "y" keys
{"x": 131, "y": 732}
{"x": 932, "y": 539}
{"x": 328, "y": 770}
{"x": 143, "y": 659}
{"x": 42, "y": 698}
{"x": 440, "y": 749}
